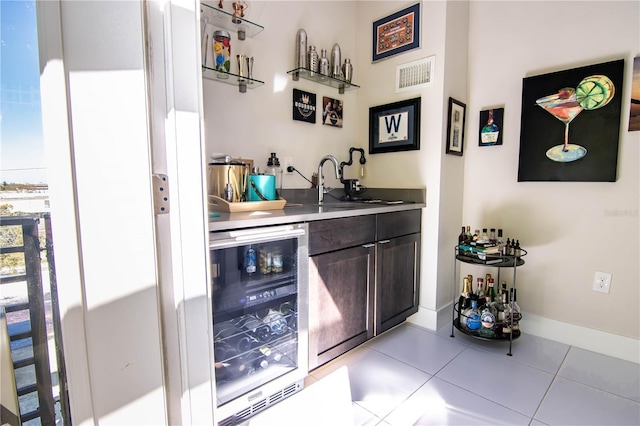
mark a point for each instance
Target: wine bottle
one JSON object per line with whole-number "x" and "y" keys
{"x": 491, "y": 291}
{"x": 468, "y": 234}
{"x": 480, "y": 289}
{"x": 462, "y": 237}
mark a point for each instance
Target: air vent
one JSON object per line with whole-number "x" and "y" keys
{"x": 261, "y": 405}
{"x": 415, "y": 75}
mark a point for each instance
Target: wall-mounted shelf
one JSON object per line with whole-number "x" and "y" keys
{"x": 230, "y": 78}
{"x": 341, "y": 85}
{"x": 225, "y": 20}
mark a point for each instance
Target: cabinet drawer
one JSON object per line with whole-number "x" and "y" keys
{"x": 396, "y": 224}
{"x": 335, "y": 234}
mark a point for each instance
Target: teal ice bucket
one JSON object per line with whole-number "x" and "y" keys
{"x": 261, "y": 188}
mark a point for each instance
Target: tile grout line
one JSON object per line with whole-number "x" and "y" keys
{"x": 555, "y": 376}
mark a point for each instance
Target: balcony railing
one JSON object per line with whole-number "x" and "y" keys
{"x": 27, "y": 320}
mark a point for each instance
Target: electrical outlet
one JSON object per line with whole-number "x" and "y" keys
{"x": 288, "y": 162}
{"x": 602, "y": 282}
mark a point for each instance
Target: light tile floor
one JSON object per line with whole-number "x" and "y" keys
{"x": 413, "y": 376}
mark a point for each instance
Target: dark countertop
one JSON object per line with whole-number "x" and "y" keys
{"x": 302, "y": 206}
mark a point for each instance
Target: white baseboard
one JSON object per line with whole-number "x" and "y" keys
{"x": 602, "y": 342}
{"x": 625, "y": 348}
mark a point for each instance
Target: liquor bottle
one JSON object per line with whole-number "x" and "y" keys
{"x": 462, "y": 237}
{"x": 490, "y": 131}
{"x": 499, "y": 242}
{"x": 492, "y": 236}
{"x": 506, "y": 322}
{"x": 480, "y": 289}
{"x": 476, "y": 235}
{"x": 488, "y": 321}
{"x": 473, "y": 316}
{"x": 516, "y": 315}
{"x": 468, "y": 234}
{"x": 484, "y": 237}
{"x": 517, "y": 251}
{"x": 490, "y": 296}
{"x": 507, "y": 247}
{"x": 487, "y": 277}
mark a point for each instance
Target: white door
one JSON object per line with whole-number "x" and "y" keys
{"x": 120, "y": 101}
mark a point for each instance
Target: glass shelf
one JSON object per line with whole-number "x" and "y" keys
{"x": 341, "y": 85}
{"x": 230, "y": 78}
{"x": 225, "y": 20}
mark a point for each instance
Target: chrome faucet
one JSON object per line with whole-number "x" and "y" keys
{"x": 334, "y": 160}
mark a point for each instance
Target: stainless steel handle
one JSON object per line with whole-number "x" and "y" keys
{"x": 253, "y": 235}
{"x": 368, "y": 245}
{"x": 384, "y": 241}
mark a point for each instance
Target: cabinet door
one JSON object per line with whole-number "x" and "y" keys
{"x": 340, "y": 302}
{"x": 398, "y": 280}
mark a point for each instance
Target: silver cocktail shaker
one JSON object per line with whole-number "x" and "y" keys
{"x": 324, "y": 63}
{"x": 313, "y": 60}
{"x": 336, "y": 60}
{"x": 301, "y": 49}
{"x": 347, "y": 70}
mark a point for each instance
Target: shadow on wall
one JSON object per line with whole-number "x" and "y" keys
{"x": 517, "y": 221}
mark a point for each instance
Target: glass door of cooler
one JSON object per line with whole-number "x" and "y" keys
{"x": 259, "y": 291}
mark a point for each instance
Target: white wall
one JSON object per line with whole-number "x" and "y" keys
{"x": 481, "y": 65}
{"x": 568, "y": 228}
{"x": 256, "y": 123}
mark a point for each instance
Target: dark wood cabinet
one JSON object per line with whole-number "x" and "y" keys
{"x": 341, "y": 294}
{"x": 397, "y": 267}
{"x": 364, "y": 279}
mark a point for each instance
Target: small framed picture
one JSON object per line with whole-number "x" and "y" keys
{"x": 332, "y": 111}
{"x": 455, "y": 127}
{"x": 395, "y": 127}
{"x": 396, "y": 33}
{"x": 491, "y": 127}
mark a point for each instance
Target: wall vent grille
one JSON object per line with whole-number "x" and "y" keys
{"x": 415, "y": 75}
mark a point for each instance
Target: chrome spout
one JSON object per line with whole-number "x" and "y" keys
{"x": 334, "y": 160}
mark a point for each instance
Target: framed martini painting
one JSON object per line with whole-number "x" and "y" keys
{"x": 570, "y": 124}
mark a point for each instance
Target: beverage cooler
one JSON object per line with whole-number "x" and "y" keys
{"x": 260, "y": 317}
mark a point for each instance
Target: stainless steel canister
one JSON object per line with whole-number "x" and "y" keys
{"x": 228, "y": 180}
{"x": 301, "y": 49}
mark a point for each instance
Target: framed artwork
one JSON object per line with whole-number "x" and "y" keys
{"x": 332, "y": 110}
{"x": 634, "y": 110}
{"x": 304, "y": 106}
{"x": 395, "y": 127}
{"x": 570, "y": 124}
{"x": 455, "y": 127}
{"x": 491, "y": 127}
{"x": 396, "y": 33}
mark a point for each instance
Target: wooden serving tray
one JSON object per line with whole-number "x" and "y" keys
{"x": 222, "y": 205}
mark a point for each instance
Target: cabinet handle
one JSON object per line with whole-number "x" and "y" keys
{"x": 384, "y": 241}
{"x": 368, "y": 245}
